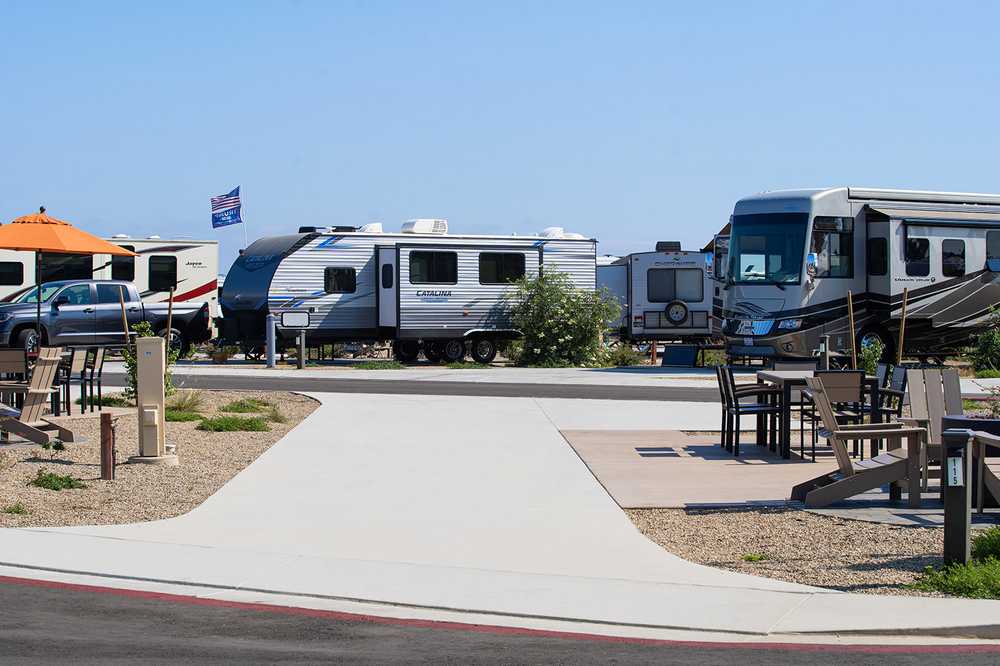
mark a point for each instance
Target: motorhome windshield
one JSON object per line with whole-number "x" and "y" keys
{"x": 767, "y": 248}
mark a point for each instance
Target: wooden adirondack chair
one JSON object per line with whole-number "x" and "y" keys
{"x": 989, "y": 468}
{"x": 934, "y": 393}
{"x": 852, "y": 478}
{"x": 28, "y": 421}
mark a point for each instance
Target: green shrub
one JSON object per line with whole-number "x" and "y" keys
{"x": 621, "y": 355}
{"x": 112, "y": 400}
{"x": 561, "y": 323}
{"x": 53, "y": 481}
{"x": 985, "y": 354}
{"x": 245, "y": 406}
{"x": 869, "y": 355}
{"x": 234, "y": 424}
{"x": 986, "y": 544}
{"x": 16, "y": 509}
{"x": 188, "y": 401}
{"x": 754, "y": 557}
{"x": 987, "y": 374}
{"x": 379, "y": 365}
{"x": 144, "y": 329}
{"x": 274, "y": 415}
{"x": 977, "y": 580}
{"x": 512, "y": 350}
{"x": 175, "y": 415}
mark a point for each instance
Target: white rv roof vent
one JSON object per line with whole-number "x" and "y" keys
{"x": 372, "y": 228}
{"x": 425, "y": 226}
{"x": 154, "y": 237}
{"x": 573, "y": 236}
{"x": 120, "y": 236}
{"x": 552, "y": 232}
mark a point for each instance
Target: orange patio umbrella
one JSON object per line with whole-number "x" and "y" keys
{"x": 40, "y": 232}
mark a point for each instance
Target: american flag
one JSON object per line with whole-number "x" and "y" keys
{"x": 226, "y": 201}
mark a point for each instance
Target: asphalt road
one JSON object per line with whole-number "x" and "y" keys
{"x": 424, "y": 387}
{"x": 43, "y": 625}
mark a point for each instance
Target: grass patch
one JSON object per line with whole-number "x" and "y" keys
{"x": 986, "y": 545}
{"x": 52, "y": 481}
{"x": 379, "y": 365}
{"x": 988, "y": 374}
{"x": 754, "y": 557}
{"x": 188, "y": 401}
{"x": 274, "y": 415}
{"x": 245, "y": 406}
{"x": 234, "y": 424}
{"x": 976, "y": 580}
{"x": 112, "y": 400}
{"x": 176, "y": 415}
{"x": 16, "y": 509}
{"x": 466, "y": 365}
{"x": 973, "y": 405}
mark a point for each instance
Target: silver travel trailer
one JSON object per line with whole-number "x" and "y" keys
{"x": 423, "y": 288}
{"x": 795, "y": 254}
{"x": 664, "y": 295}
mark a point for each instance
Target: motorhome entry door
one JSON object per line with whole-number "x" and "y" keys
{"x": 387, "y": 287}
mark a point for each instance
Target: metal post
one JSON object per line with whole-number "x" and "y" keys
{"x": 302, "y": 350}
{"x": 956, "y": 479}
{"x": 824, "y": 352}
{"x": 270, "y": 340}
{"x": 107, "y": 448}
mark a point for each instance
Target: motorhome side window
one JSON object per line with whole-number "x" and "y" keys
{"x": 123, "y": 268}
{"x": 500, "y": 267}
{"x": 67, "y": 267}
{"x": 11, "y": 273}
{"x": 433, "y": 267}
{"x": 340, "y": 280}
{"x": 833, "y": 244}
{"x": 674, "y": 284}
{"x": 993, "y": 250}
{"x": 918, "y": 257}
{"x": 162, "y": 273}
{"x": 952, "y": 257}
{"x": 878, "y": 256}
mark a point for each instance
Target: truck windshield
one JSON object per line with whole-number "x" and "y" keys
{"x": 31, "y": 296}
{"x": 767, "y": 248}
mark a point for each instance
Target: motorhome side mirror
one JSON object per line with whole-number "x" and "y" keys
{"x": 811, "y": 262}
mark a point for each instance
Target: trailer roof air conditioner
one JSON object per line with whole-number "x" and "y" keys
{"x": 425, "y": 226}
{"x": 668, "y": 246}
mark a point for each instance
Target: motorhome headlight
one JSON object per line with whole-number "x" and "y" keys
{"x": 789, "y": 324}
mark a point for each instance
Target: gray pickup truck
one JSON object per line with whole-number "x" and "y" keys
{"x": 88, "y": 312}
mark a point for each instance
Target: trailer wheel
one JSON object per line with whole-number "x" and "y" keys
{"x": 453, "y": 350}
{"x": 872, "y": 335}
{"x": 405, "y": 351}
{"x": 484, "y": 350}
{"x": 432, "y": 351}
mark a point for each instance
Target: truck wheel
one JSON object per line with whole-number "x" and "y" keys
{"x": 484, "y": 350}
{"x": 175, "y": 341}
{"x": 405, "y": 351}
{"x": 453, "y": 351}
{"x": 27, "y": 339}
{"x": 432, "y": 351}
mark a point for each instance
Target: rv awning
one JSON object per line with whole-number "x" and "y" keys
{"x": 942, "y": 218}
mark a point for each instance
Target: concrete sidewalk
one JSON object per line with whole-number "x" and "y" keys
{"x": 475, "y": 507}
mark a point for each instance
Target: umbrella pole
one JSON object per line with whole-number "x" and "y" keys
{"x": 38, "y": 301}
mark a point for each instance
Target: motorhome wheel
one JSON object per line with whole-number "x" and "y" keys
{"x": 433, "y": 351}
{"x": 453, "y": 350}
{"x": 406, "y": 350}
{"x": 677, "y": 312}
{"x": 484, "y": 350}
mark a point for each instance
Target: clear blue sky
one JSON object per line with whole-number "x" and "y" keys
{"x": 631, "y": 122}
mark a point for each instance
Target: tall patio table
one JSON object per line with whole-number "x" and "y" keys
{"x": 788, "y": 380}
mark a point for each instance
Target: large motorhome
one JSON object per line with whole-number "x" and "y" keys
{"x": 422, "y": 288}
{"x": 190, "y": 267}
{"x": 794, "y": 255}
{"x": 664, "y": 295}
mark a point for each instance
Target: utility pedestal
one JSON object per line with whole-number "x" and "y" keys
{"x": 151, "y": 362}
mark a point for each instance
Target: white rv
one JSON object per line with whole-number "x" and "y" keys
{"x": 190, "y": 267}
{"x": 795, "y": 254}
{"x": 664, "y": 295}
{"x": 423, "y": 288}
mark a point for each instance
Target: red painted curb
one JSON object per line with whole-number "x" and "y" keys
{"x": 494, "y": 629}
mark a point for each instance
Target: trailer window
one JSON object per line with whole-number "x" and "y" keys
{"x": 500, "y": 267}
{"x": 67, "y": 267}
{"x": 162, "y": 273}
{"x": 674, "y": 284}
{"x": 878, "y": 256}
{"x": 340, "y": 280}
{"x": 123, "y": 268}
{"x": 387, "y": 276}
{"x": 433, "y": 267}
{"x": 833, "y": 244}
{"x": 11, "y": 273}
{"x": 918, "y": 257}
{"x": 993, "y": 250}
{"x": 953, "y": 258}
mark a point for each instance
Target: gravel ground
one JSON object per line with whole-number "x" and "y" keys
{"x": 139, "y": 492}
{"x": 799, "y": 547}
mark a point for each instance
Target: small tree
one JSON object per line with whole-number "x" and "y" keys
{"x": 561, "y": 323}
{"x": 144, "y": 329}
{"x": 869, "y": 355}
{"x": 986, "y": 353}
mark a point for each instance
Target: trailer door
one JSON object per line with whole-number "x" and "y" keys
{"x": 388, "y": 286}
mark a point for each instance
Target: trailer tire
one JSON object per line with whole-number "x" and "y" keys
{"x": 453, "y": 350}
{"x": 888, "y": 344}
{"x": 484, "y": 350}
{"x": 432, "y": 351}
{"x": 405, "y": 351}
